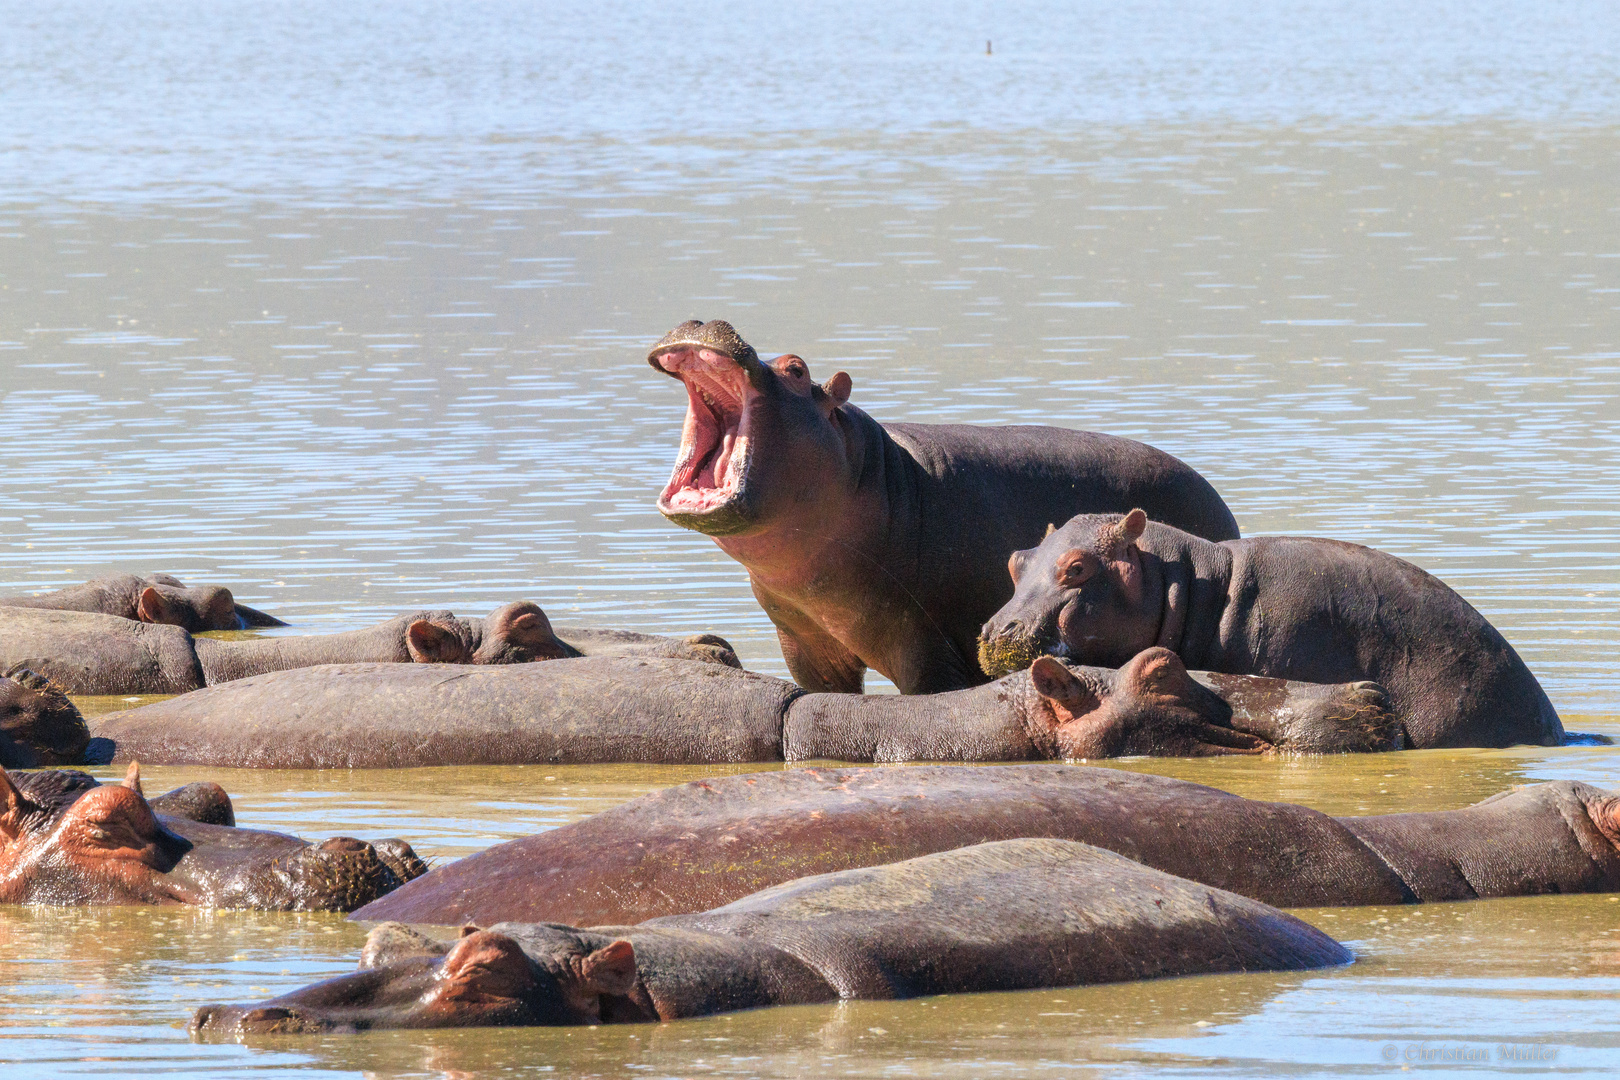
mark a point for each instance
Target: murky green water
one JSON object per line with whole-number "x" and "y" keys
{"x": 345, "y": 305}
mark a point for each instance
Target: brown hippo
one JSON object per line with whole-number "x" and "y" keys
{"x": 1012, "y": 915}
{"x": 101, "y": 654}
{"x": 653, "y": 709}
{"x": 882, "y": 546}
{"x": 1105, "y": 586}
{"x": 156, "y": 598}
{"x": 65, "y": 839}
{"x": 711, "y": 841}
{"x": 38, "y": 724}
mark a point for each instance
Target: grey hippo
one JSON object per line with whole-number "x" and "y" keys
{"x": 882, "y": 546}
{"x": 655, "y": 709}
{"x": 154, "y": 598}
{"x": 100, "y": 654}
{"x": 1105, "y": 586}
{"x": 1012, "y": 915}
{"x": 711, "y": 841}
{"x": 67, "y": 839}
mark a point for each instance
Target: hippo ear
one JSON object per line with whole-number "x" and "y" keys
{"x": 1060, "y": 686}
{"x": 838, "y": 387}
{"x": 153, "y": 607}
{"x": 15, "y": 808}
{"x": 1051, "y": 527}
{"x": 610, "y": 970}
{"x": 430, "y": 643}
{"x": 132, "y": 778}
{"x": 1016, "y": 563}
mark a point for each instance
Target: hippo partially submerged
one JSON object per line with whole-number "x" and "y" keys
{"x": 65, "y": 839}
{"x": 1103, "y": 587}
{"x": 38, "y": 724}
{"x": 711, "y": 841}
{"x": 100, "y": 654}
{"x": 883, "y": 546}
{"x": 632, "y": 709}
{"x": 156, "y": 598}
{"x": 1003, "y": 916}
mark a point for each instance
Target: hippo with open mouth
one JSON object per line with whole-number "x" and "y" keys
{"x": 658, "y": 710}
{"x": 65, "y": 839}
{"x": 1012, "y": 915}
{"x": 156, "y": 598}
{"x": 708, "y": 842}
{"x": 100, "y": 654}
{"x": 883, "y": 546}
{"x": 1104, "y": 587}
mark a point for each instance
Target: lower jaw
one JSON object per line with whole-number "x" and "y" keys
{"x": 1003, "y": 656}
{"x": 727, "y": 519}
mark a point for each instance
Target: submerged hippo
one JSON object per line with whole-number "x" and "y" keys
{"x": 100, "y": 654}
{"x": 711, "y": 841}
{"x": 38, "y": 724}
{"x": 883, "y": 546}
{"x": 65, "y": 839}
{"x": 629, "y": 709}
{"x": 1012, "y": 915}
{"x": 1104, "y": 587}
{"x": 156, "y": 598}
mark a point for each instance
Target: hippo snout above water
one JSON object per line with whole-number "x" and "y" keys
{"x": 65, "y": 839}
{"x": 155, "y": 598}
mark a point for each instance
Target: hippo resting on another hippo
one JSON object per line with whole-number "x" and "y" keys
{"x": 100, "y": 654}
{"x": 883, "y": 546}
{"x": 1012, "y": 915}
{"x": 65, "y": 839}
{"x": 38, "y": 724}
{"x": 622, "y": 709}
{"x": 1104, "y": 587}
{"x": 156, "y": 598}
{"x": 711, "y": 841}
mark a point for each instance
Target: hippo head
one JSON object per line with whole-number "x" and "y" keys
{"x": 38, "y": 724}
{"x": 64, "y": 839}
{"x": 516, "y": 633}
{"x": 557, "y": 976}
{"x": 207, "y": 607}
{"x": 1087, "y": 593}
{"x": 761, "y": 439}
{"x": 1151, "y": 706}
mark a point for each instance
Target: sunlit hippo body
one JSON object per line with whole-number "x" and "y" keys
{"x": 38, "y": 724}
{"x": 156, "y": 598}
{"x": 711, "y": 841}
{"x": 1004, "y": 916}
{"x": 884, "y": 546}
{"x": 101, "y": 654}
{"x": 1103, "y": 587}
{"x": 64, "y": 839}
{"x": 631, "y": 709}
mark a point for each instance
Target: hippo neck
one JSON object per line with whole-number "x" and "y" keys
{"x": 1196, "y": 579}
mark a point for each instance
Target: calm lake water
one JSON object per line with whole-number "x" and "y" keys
{"x": 345, "y": 306}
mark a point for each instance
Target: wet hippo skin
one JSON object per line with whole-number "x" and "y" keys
{"x": 38, "y": 724}
{"x": 1011, "y": 915}
{"x": 156, "y": 598}
{"x": 87, "y": 653}
{"x": 1103, "y": 587}
{"x": 65, "y": 839}
{"x": 708, "y": 842}
{"x": 884, "y": 546}
{"x": 653, "y": 709}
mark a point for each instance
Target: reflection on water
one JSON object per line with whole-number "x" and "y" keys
{"x": 345, "y": 306}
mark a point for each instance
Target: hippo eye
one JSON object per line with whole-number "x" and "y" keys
{"x": 1076, "y": 568}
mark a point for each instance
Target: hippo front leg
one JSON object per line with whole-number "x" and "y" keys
{"x": 822, "y": 665}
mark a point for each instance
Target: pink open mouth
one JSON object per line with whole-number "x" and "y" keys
{"x": 713, "y": 461}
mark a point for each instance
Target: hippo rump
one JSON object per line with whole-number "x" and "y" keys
{"x": 882, "y": 546}
{"x": 38, "y": 724}
{"x": 1104, "y": 587}
{"x": 656, "y": 710}
{"x": 65, "y": 839}
{"x": 101, "y": 654}
{"x": 711, "y": 841}
{"x": 156, "y": 598}
{"x": 1012, "y": 915}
